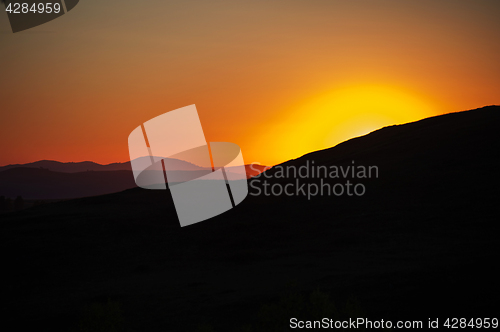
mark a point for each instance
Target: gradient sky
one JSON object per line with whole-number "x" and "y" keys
{"x": 278, "y": 77}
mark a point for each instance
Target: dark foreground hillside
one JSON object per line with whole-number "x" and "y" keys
{"x": 421, "y": 243}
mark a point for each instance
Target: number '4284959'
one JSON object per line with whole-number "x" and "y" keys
{"x": 478, "y": 323}
{"x": 40, "y": 8}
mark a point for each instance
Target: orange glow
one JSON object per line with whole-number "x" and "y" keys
{"x": 279, "y": 78}
{"x": 339, "y": 115}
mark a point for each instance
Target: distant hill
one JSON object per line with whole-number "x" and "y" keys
{"x": 37, "y": 183}
{"x": 75, "y": 167}
{"x": 70, "y": 167}
{"x": 48, "y": 179}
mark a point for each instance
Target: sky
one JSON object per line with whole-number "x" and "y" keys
{"x": 280, "y": 78}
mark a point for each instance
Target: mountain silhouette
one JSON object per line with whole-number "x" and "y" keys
{"x": 422, "y": 242}
{"x": 36, "y": 183}
{"x": 75, "y": 167}
{"x": 47, "y": 179}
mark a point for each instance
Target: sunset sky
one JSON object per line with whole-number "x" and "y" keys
{"x": 280, "y": 78}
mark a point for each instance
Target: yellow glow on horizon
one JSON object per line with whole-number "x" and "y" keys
{"x": 338, "y": 115}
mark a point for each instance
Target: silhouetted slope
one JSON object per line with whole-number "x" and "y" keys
{"x": 443, "y": 155}
{"x": 422, "y": 243}
{"x": 448, "y": 136}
